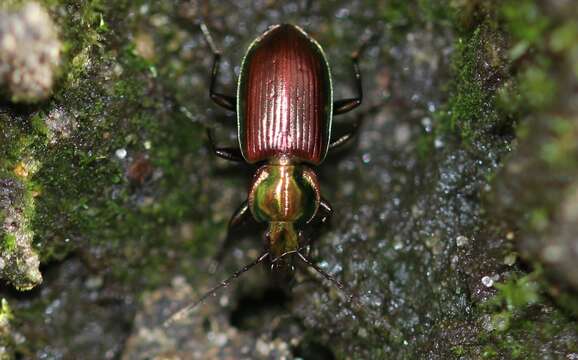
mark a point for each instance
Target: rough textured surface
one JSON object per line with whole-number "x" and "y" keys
{"x": 19, "y": 262}
{"x": 445, "y": 224}
{"x": 29, "y": 53}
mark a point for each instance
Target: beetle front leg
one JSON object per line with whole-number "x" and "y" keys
{"x": 227, "y": 153}
{"x": 239, "y": 217}
{"x": 324, "y": 213}
{"x": 346, "y": 105}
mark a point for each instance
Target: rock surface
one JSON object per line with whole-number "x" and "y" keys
{"x": 29, "y": 53}
{"x": 454, "y": 210}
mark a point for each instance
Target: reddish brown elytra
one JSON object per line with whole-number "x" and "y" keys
{"x": 284, "y": 106}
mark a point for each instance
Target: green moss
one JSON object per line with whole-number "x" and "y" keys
{"x": 8, "y": 243}
{"x": 538, "y": 88}
{"x": 84, "y": 197}
{"x": 563, "y": 37}
{"x": 458, "y": 350}
{"x": 525, "y": 20}
{"x": 469, "y": 97}
{"x": 518, "y": 293}
{"x": 479, "y": 79}
{"x": 489, "y": 352}
{"x": 399, "y": 15}
{"x": 517, "y": 326}
{"x": 5, "y": 312}
{"x": 424, "y": 146}
{"x": 558, "y": 151}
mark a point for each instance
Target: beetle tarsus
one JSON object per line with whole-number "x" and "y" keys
{"x": 231, "y": 154}
{"x": 346, "y": 105}
{"x": 347, "y": 137}
{"x": 226, "y": 101}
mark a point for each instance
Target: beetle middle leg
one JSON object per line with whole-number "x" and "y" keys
{"x": 226, "y": 101}
{"x": 227, "y": 153}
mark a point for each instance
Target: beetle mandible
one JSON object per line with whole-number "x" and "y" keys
{"x": 284, "y": 106}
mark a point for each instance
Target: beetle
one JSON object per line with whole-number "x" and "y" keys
{"x": 284, "y": 107}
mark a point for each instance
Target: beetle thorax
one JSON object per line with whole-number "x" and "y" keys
{"x": 284, "y": 192}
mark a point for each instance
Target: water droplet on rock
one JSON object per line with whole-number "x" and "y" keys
{"x": 461, "y": 241}
{"x": 487, "y": 281}
{"x": 120, "y": 153}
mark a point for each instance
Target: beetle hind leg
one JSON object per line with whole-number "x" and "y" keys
{"x": 226, "y": 101}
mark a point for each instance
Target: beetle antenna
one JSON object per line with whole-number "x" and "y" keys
{"x": 209, "y": 39}
{"x": 350, "y": 295}
{"x": 182, "y": 313}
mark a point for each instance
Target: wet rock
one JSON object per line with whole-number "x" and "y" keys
{"x": 60, "y": 125}
{"x": 82, "y": 315}
{"x": 127, "y": 196}
{"x": 19, "y": 262}
{"x": 205, "y": 334}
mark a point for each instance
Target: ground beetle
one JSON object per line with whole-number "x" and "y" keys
{"x": 284, "y": 106}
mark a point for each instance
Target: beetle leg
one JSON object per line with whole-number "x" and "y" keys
{"x": 323, "y": 214}
{"x": 346, "y": 105}
{"x": 227, "y": 153}
{"x": 225, "y": 101}
{"x": 344, "y": 139}
{"x": 239, "y": 217}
